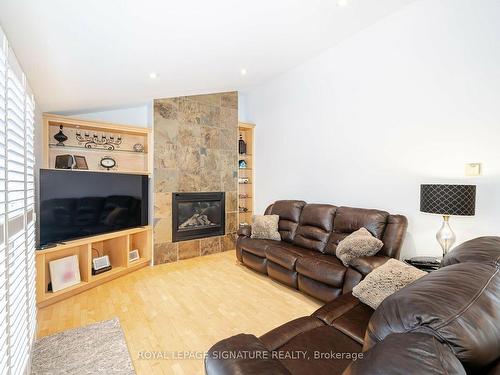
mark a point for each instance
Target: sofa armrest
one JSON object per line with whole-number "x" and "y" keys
{"x": 336, "y": 308}
{"x": 407, "y": 353}
{"x": 245, "y": 231}
{"x": 242, "y": 354}
{"x": 365, "y": 265}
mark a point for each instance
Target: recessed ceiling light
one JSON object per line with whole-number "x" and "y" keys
{"x": 153, "y": 75}
{"x": 243, "y": 72}
{"x": 342, "y": 3}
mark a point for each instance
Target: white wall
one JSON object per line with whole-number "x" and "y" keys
{"x": 407, "y": 101}
{"x": 138, "y": 115}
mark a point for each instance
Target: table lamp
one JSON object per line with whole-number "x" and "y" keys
{"x": 447, "y": 200}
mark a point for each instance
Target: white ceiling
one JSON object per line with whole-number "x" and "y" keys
{"x": 84, "y": 54}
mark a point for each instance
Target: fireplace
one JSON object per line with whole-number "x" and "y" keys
{"x": 197, "y": 215}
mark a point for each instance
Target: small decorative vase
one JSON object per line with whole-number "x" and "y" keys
{"x": 242, "y": 146}
{"x": 60, "y": 137}
{"x": 242, "y": 164}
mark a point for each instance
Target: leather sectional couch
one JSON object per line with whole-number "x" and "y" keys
{"x": 447, "y": 322}
{"x": 305, "y": 257}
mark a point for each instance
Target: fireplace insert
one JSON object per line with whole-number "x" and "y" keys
{"x": 197, "y": 215}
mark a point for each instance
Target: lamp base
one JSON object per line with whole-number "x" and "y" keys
{"x": 445, "y": 236}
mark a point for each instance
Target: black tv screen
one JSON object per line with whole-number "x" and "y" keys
{"x": 75, "y": 204}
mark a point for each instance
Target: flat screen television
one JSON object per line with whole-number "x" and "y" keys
{"x": 75, "y": 204}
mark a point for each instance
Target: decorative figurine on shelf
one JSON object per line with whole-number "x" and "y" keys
{"x": 94, "y": 140}
{"x": 243, "y": 209}
{"x": 139, "y": 147}
{"x": 242, "y": 164}
{"x": 60, "y": 137}
{"x": 243, "y": 180}
{"x": 242, "y": 146}
{"x": 244, "y": 195}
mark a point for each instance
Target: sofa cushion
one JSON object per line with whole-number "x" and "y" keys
{"x": 289, "y": 213}
{"x": 255, "y": 246}
{"x": 350, "y": 219}
{"x": 325, "y": 268}
{"x": 265, "y": 227}
{"x": 385, "y": 280}
{"x": 357, "y": 244}
{"x": 316, "y": 223}
{"x": 286, "y": 255}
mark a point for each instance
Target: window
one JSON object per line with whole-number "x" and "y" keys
{"x": 17, "y": 227}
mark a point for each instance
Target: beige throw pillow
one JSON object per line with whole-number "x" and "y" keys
{"x": 384, "y": 281}
{"x": 357, "y": 244}
{"x": 266, "y": 227}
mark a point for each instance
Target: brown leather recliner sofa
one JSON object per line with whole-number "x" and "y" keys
{"x": 305, "y": 257}
{"x": 447, "y": 322}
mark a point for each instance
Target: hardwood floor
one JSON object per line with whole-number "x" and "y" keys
{"x": 181, "y": 307}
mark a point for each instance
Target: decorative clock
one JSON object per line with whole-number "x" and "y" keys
{"x": 108, "y": 162}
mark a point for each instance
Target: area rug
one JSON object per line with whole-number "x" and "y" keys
{"x": 98, "y": 348}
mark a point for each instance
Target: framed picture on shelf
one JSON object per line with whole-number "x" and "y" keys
{"x": 80, "y": 162}
{"x": 64, "y": 272}
{"x": 133, "y": 255}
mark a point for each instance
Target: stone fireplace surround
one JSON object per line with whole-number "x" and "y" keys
{"x": 195, "y": 150}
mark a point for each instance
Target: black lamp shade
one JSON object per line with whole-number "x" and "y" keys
{"x": 448, "y": 199}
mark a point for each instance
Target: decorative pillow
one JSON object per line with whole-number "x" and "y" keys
{"x": 385, "y": 280}
{"x": 266, "y": 227}
{"x": 357, "y": 244}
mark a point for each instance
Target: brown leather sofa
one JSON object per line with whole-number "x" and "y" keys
{"x": 447, "y": 322}
{"x": 305, "y": 257}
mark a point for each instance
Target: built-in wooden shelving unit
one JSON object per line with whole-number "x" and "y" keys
{"x": 116, "y": 244}
{"x": 128, "y": 159}
{"x": 246, "y": 189}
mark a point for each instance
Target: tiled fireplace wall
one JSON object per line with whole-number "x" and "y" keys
{"x": 195, "y": 150}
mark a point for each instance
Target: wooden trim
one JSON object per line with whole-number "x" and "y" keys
{"x": 247, "y": 125}
{"x": 97, "y": 125}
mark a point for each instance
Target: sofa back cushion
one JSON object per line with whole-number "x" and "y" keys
{"x": 457, "y": 304}
{"x": 315, "y": 226}
{"x": 350, "y": 219}
{"x": 289, "y": 212}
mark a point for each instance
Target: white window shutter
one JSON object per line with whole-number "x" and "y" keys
{"x": 17, "y": 227}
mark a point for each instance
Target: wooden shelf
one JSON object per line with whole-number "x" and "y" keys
{"x": 116, "y": 245}
{"x": 99, "y": 150}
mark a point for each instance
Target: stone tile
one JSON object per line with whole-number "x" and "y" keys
{"x": 163, "y": 205}
{"x": 210, "y": 245}
{"x": 189, "y": 111}
{"x": 210, "y": 160}
{"x": 229, "y": 180}
{"x": 229, "y": 99}
{"x": 166, "y": 180}
{"x": 210, "y": 180}
{"x": 229, "y": 139}
{"x": 162, "y": 230}
{"x": 165, "y": 156}
{"x": 166, "y": 108}
{"x": 165, "y": 253}
{"x": 166, "y": 130}
{"x": 188, "y": 160}
{"x": 190, "y": 135}
{"x": 189, "y": 249}
{"x": 229, "y": 118}
{"x": 231, "y": 201}
{"x": 228, "y": 242}
{"x": 189, "y": 182}
{"x": 210, "y": 99}
{"x": 209, "y": 115}
{"x": 210, "y": 137}
{"x": 231, "y": 222}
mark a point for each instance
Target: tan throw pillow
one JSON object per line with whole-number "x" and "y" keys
{"x": 385, "y": 280}
{"x": 357, "y": 244}
{"x": 266, "y": 227}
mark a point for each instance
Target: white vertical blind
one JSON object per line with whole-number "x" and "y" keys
{"x": 17, "y": 230}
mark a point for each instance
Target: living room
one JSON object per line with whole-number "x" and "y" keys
{"x": 286, "y": 187}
